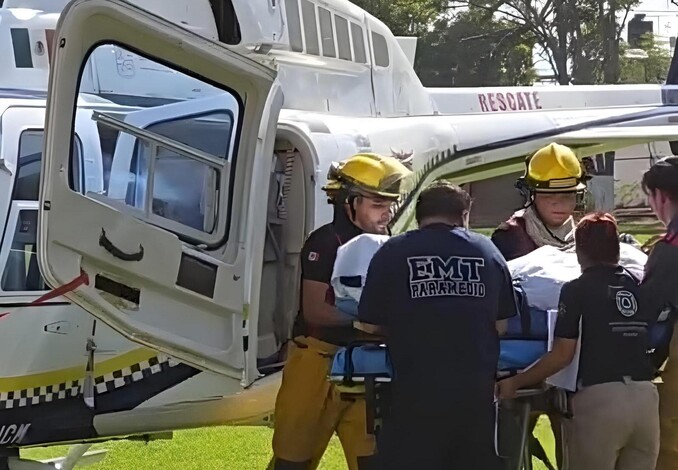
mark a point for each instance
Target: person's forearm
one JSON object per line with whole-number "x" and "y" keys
{"x": 327, "y": 315}
{"x": 376, "y": 330}
{"x": 548, "y": 365}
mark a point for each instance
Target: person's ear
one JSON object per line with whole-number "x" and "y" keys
{"x": 465, "y": 217}
{"x": 663, "y": 197}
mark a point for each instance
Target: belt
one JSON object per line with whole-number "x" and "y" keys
{"x": 627, "y": 379}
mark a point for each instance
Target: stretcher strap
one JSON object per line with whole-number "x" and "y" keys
{"x": 83, "y": 278}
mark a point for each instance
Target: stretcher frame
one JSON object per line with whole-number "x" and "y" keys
{"x": 526, "y": 399}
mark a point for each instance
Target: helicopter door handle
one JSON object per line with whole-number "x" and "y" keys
{"x": 117, "y": 252}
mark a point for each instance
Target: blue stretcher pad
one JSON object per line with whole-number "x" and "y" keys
{"x": 525, "y": 340}
{"x": 373, "y": 361}
{"x": 523, "y": 343}
{"x": 366, "y": 360}
{"x": 516, "y": 354}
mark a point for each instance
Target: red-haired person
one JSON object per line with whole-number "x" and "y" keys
{"x": 659, "y": 291}
{"x": 615, "y": 423}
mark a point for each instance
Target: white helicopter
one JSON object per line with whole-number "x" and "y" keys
{"x": 184, "y": 151}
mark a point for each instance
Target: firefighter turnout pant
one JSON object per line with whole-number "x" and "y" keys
{"x": 309, "y": 410}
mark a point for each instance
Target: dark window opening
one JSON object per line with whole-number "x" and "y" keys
{"x": 21, "y": 272}
{"x": 228, "y": 27}
{"x": 21, "y": 44}
{"x": 27, "y": 181}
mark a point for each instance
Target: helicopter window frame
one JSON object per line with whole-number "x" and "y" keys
{"x": 225, "y": 207}
{"x": 142, "y": 151}
{"x": 15, "y": 224}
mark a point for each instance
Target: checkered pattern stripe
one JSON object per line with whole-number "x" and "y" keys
{"x": 74, "y": 388}
{"x": 134, "y": 373}
{"x": 37, "y": 395}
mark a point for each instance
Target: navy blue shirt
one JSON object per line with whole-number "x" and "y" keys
{"x": 614, "y": 327}
{"x": 438, "y": 291}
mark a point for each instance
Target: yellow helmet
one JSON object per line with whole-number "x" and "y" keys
{"x": 554, "y": 169}
{"x": 368, "y": 173}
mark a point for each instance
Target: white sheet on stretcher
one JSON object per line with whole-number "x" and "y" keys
{"x": 542, "y": 274}
{"x": 544, "y": 271}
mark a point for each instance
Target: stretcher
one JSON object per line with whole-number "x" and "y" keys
{"x": 364, "y": 368}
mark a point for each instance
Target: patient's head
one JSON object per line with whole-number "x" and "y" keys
{"x": 597, "y": 240}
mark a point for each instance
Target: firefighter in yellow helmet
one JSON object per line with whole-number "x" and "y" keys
{"x": 553, "y": 181}
{"x": 309, "y": 410}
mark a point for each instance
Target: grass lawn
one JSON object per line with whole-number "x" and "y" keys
{"x": 223, "y": 448}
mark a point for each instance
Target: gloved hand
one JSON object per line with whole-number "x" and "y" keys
{"x": 630, "y": 240}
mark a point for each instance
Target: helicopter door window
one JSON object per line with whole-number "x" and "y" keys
{"x": 326, "y": 32}
{"x": 294, "y": 25}
{"x": 310, "y": 28}
{"x": 358, "y": 44}
{"x": 343, "y": 39}
{"x": 18, "y": 255}
{"x": 170, "y": 162}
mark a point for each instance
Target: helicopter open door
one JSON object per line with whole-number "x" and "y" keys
{"x": 168, "y": 248}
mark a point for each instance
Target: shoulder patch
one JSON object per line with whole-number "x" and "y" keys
{"x": 313, "y": 256}
{"x": 562, "y": 309}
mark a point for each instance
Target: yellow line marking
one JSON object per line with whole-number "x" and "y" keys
{"x": 54, "y": 377}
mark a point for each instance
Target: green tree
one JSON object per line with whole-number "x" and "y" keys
{"x": 580, "y": 39}
{"x": 649, "y": 69}
{"x": 405, "y": 17}
{"x": 475, "y": 49}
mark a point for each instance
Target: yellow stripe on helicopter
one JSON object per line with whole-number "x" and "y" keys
{"x": 54, "y": 377}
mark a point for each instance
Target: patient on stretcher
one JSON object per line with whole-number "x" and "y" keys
{"x": 538, "y": 278}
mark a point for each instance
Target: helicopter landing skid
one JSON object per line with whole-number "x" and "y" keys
{"x": 77, "y": 454}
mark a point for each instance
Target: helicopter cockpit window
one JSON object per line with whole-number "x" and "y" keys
{"x": 381, "y": 57}
{"x": 169, "y": 159}
{"x": 19, "y": 256}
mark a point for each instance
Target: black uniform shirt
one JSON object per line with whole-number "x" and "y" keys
{"x": 614, "y": 326}
{"x": 317, "y": 262}
{"x": 439, "y": 291}
{"x": 660, "y": 287}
